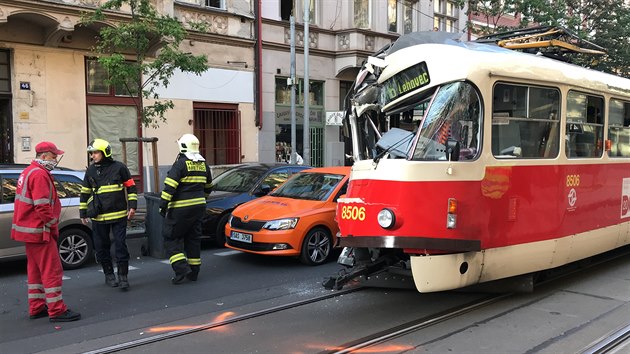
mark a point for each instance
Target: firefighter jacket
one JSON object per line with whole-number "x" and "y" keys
{"x": 108, "y": 181}
{"x": 187, "y": 183}
{"x": 37, "y": 208}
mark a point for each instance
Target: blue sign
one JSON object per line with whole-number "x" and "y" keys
{"x": 25, "y": 85}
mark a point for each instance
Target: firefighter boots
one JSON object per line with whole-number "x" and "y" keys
{"x": 194, "y": 272}
{"x": 110, "y": 278}
{"x": 123, "y": 270}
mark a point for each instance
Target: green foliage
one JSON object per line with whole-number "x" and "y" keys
{"x": 603, "y": 22}
{"x": 143, "y": 53}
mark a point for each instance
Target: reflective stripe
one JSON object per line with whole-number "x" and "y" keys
{"x": 171, "y": 182}
{"x": 28, "y": 230}
{"x": 194, "y": 179}
{"x": 207, "y": 185}
{"x": 194, "y": 261}
{"x": 53, "y": 299}
{"x": 41, "y": 201}
{"x": 35, "y": 286}
{"x": 83, "y": 205}
{"x": 37, "y": 296}
{"x": 86, "y": 190}
{"x": 166, "y": 196}
{"x": 178, "y": 257}
{"x": 132, "y": 196}
{"x": 109, "y": 189}
{"x": 51, "y": 223}
{"x": 187, "y": 202}
{"x": 52, "y": 290}
{"x": 110, "y": 216}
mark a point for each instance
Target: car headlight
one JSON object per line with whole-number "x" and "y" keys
{"x": 281, "y": 224}
{"x": 386, "y": 218}
{"x": 229, "y": 222}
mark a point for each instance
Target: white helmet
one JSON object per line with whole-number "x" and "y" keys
{"x": 188, "y": 143}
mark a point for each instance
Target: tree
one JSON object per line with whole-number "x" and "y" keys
{"x": 602, "y": 22}
{"x": 153, "y": 41}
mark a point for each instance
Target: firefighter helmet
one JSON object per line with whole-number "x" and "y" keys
{"x": 188, "y": 143}
{"x": 100, "y": 145}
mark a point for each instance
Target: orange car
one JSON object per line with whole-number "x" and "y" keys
{"x": 297, "y": 219}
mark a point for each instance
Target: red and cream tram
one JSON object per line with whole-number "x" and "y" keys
{"x": 516, "y": 163}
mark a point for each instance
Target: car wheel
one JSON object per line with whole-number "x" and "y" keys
{"x": 219, "y": 235}
{"x": 75, "y": 248}
{"x": 316, "y": 246}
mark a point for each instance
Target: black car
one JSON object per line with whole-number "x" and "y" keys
{"x": 237, "y": 186}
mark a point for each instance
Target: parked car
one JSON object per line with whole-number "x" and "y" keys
{"x": 297, "y": 219}
{"x": 75, "y": 239}
{"x": 237, "y": 186}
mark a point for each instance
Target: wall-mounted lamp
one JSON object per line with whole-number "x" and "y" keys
{"x": 243, "y": 63}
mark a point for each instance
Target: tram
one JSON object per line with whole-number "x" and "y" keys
{"x": 475, "y": 162}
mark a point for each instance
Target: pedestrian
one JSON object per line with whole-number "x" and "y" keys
{"x": 105, "y": 184}
{"x": 36, "y": 223}
{"x": 183, "y": 205}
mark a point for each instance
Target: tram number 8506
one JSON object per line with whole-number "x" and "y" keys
{"x": 353, "y": 213}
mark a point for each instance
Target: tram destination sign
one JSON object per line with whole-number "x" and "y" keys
{"x": 404, "y": 82}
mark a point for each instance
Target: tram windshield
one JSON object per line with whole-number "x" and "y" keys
{"x": 454, "y": 117}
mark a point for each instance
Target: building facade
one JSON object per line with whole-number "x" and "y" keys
{"x": 52, "y": 88}
{"x": 342, "y": 34}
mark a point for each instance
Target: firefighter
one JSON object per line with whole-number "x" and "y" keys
{"x": 36, "y": 223}
{"x": 106, "y": 181}
{"x": 183, "y": 204}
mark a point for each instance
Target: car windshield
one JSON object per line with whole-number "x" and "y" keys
{"x": 310, "y": 186}
{"x": 239, "y": 180}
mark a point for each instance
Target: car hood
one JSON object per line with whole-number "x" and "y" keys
{"x": 271, "y": 208}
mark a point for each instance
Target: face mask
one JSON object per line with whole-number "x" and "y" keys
{"x": 47, "y": 164}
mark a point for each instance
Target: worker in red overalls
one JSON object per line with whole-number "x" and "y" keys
{"x": 36, "y": 223}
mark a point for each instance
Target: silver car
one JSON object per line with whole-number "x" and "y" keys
{"x": 75, "y": 239}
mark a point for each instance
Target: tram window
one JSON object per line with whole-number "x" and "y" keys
{"x": 585, "y": 125}
{"x": 619, "y": 128}
{"x": 455, "y": 114}
{"x": 525, "y": 121}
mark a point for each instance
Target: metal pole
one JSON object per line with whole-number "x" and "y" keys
{"x": 292, "y": 79}
{"x": 306, "y": 132}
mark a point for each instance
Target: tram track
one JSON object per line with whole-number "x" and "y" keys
{"x": 207, "y": 326}
{"x": 607, "y": 345}
{"x": 383, "y": 336}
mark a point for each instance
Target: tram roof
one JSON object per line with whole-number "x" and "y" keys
{"x": 454, "y": 60}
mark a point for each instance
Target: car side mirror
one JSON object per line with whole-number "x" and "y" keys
{"x": 263, "y": 190}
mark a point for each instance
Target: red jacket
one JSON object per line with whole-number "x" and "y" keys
{"x": 37, "y": 208}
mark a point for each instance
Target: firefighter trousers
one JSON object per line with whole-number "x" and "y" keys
{"x": 182, "y": 238}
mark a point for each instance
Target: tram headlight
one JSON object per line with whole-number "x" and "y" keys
{"x": 386, "y": 218}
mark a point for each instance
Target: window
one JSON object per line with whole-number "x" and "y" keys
{"x": 446, "y": 14}
{"x": 9, "y": 185}
{"x": 525, "y": 121}
{"x": 392, "y": 15}
{"x": 286, "y": 9}
{"x": 454, "y": 117}
{"x": 276, "y": 178}
{"x": 219, "y": 4}
{"x": 283, "y": 92}
{"x": 5, "y": 72}
{"x": 585, "y": 125}
{"x": 68, "y": 186}
{"x": 408, "y": 17}
{"x": 362, "y": 13}
{"x": 97, "y": 81}
{"x": 312, "y": 12}
{"x": 619, "y": 128}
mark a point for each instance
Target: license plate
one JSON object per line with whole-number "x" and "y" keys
{"x": 239, "y": 236}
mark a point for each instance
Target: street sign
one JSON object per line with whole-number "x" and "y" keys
{"x": 334, "y": 118}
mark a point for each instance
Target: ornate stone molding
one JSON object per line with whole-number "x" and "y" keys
{"x": 343, "y": 41}
{"x": 3, "y": 16}
{"x": 209, "y": 23}
{"x": 369, "y": 43}
{"x": 299, "y": 38}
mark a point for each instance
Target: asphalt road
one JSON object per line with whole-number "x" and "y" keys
{"x": 228, "y": 279}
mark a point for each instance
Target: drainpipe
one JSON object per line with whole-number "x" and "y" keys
{"x": 258, "y": 58}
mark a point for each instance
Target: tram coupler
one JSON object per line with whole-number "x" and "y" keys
{"x": 363, "y": 269}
